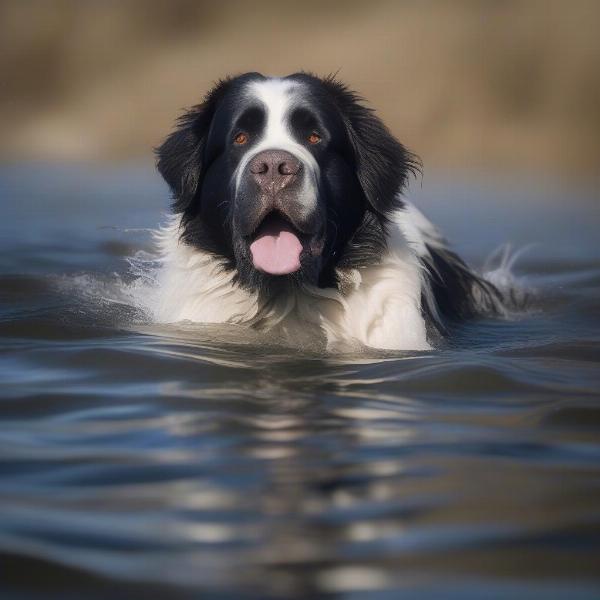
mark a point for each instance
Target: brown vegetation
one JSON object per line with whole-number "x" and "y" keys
{"x": 491, "y": 84}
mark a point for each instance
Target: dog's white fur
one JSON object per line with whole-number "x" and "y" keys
{"x": 275, "y": 95}
{"x": 377, "y": 306}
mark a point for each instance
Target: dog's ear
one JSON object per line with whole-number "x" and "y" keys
{"x": 181, "y": 155}
{"x": 382, "y": 163}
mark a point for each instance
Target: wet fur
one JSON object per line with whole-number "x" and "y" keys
{"x": 386, "y": 278}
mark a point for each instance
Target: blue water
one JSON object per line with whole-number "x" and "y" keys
{"x": 148, "y": 461}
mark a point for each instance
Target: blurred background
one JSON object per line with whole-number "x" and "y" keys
{"x": 498, "y": 85}
{"x": 140, "y": 460}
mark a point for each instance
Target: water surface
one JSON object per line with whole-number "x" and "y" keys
{"x": 147, "y": 461}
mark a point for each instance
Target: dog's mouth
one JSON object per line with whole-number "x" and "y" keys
{"x": 277, "y": 245}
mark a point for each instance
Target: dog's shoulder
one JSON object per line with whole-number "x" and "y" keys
{"x": 452, "y": 290}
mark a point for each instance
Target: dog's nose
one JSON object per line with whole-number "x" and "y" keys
{"x": 273, "y": 170}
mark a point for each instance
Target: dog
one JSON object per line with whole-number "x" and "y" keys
{"x": 288, "y": 217}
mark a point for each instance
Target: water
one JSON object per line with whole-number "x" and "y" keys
{"x": 146, "y": 461}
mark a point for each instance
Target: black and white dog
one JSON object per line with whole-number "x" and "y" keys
{"x": 288, "y": 216}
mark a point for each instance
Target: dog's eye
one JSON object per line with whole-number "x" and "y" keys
{"x": 314, "y": 138}
{"x": 241, "y": 139}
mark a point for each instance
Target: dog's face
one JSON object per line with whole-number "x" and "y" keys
{"x": 284, "y": 178}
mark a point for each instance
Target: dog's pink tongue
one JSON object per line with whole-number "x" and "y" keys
{"x": 276, "y": 250}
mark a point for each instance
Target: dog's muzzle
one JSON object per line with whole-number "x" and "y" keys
{"x": 276, "y": 214}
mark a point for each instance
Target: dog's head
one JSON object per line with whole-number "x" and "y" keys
{"x": 284, "y": 178}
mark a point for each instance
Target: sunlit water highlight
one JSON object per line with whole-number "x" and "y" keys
{"x": 140, "y": 460}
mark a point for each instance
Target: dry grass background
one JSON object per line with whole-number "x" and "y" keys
{"x": 494, "y": 84}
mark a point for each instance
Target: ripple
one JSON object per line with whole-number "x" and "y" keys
{"x": 140, "y": 460}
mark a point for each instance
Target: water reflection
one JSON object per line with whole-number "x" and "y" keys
{"x": 145, "y": 461}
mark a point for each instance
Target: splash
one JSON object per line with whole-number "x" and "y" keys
{"x": 499, "y": 270}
